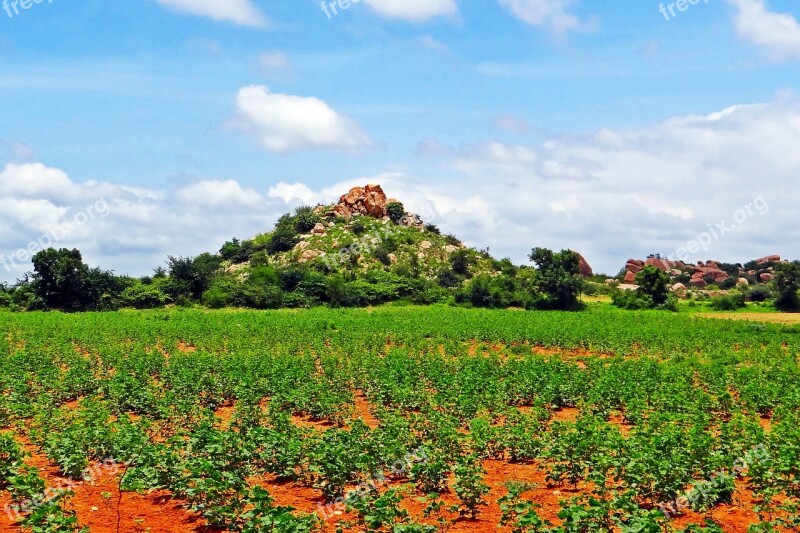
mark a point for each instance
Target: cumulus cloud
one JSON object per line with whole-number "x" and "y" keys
{"x": 777, "y": 33}
{"x": 611, "y": 194}
{"x": 241, "y": 12}
{"x": 620, "y": 193}
{"x": 550, "y": 14}
{"x": 284, "y": 123}
{"x": 413, "y": 10}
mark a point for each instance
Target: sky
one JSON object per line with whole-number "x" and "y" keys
{"x": 146, "y": 128}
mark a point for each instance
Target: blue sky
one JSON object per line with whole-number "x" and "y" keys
{"x": 598, "y": 126}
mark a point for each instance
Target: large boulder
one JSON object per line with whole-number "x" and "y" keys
{"x": 630, "y": 277}
{"x": 352, "y": 197}
{"x": 679, "y": 289}
{"x": 769, "y": 259}
{"x": 766, "y": 277}
{"x": 584, "y": 269}
{"x": 633, "y": 267}
{"x": 375, "y": 204}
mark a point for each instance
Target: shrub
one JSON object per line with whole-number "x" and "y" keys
{"x": 729, "y": 302}
{"x": 141, "y": 296}
{"x": 787, "y": 283}
{"x": 282, "y": 240}
{"x": 432, "y": 228}
{"x": 461, "y": 261}
{"x": 305, "y": 219}
{"x": 759, "y": 294}
{"x": 358, "y": 226}
{"x": 396, "y": 211}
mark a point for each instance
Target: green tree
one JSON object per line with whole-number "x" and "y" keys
{"x": 60, "y": 280}
{"x": 396, "y": 211}
{"x": 653, "y": 284}
{"x": 191, "y": 277}
{"x": 787, "y": 283}
{"x": 557, "y": 284}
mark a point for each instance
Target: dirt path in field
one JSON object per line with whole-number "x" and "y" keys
{"x": 772, "y": 318}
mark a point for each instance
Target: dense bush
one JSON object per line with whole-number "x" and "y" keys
{"x": 305, "y": 219}
{"x": 144, "y": 296}
{"x": 787, "y": 283}
{"x": 759, "y": 294}
{"x": 729, "y": 302}
{"x": 396, "y": 211}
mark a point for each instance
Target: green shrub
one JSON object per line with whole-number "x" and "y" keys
{"x": 396, "y": 211}
{"x": 305, "y": 219}
{"x": 759, "y": 294}
{"x": 142, "y": 296}
{"x": 358, "y": 226}
{"x": 729, "y": 302}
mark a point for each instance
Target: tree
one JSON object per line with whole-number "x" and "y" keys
{"x": 787, "y": 283}
{"x": 557, "y": 284}
{"x": 396, "y": 211}
{"x": 653, "y": 284}
{"x": 60, "y": 280}
{"x": 191, "y": 276}
{"x": 305, "y": 219}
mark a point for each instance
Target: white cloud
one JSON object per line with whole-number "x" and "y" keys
{"x": 413, "y": 10}
{"x": 611, "y": 195}
{"x": 242, "y": 12}
{"x": 272, "y": 63}
{"x": 551, "y": 14}
{"x": 211, "y": 193}
{"x": 777, "y": 33}
{"x": 284, "y": 123}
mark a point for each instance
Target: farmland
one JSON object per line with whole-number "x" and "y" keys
{"x": 399, "y": 419}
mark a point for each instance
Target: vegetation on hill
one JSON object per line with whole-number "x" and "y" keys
{"x": 308, "y": 260}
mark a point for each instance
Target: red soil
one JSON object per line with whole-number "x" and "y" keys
{"x": 99, "y": 506}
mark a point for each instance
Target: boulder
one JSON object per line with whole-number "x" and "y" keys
{"x": 352, "y": 197}
{"x": 766, "y": 277}
{"x": 319, "y": 229}
{"x": 633, "y": 267}
{"x": 426, "y": 245}
{"x": 679, "y": 288}
{"x": 630, "y": 277}
{"x": 309, "y": 255}
{"x": 375, "y": 204}
{"x": 636, "y": 262}
{"x": 699, "y": 283}
{"x": 769, "y": 259}
{"x": 661, "y": 264}
{"x": 584, "y": 269}
{"x": 742, "y": 282}
{"x": 343, "y": 211}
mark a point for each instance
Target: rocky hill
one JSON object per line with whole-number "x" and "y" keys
{"x": 706, "y": 273}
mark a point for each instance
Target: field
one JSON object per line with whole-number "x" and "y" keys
{"x": 398, "y": 419}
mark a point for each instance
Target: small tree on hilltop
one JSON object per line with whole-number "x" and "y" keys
{"x": 787, "y": 283}
{"x": 396, "y": 211}
{"x": 557, "y": 283}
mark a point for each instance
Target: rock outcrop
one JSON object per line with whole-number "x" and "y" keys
{"x": 368, "y": 201}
